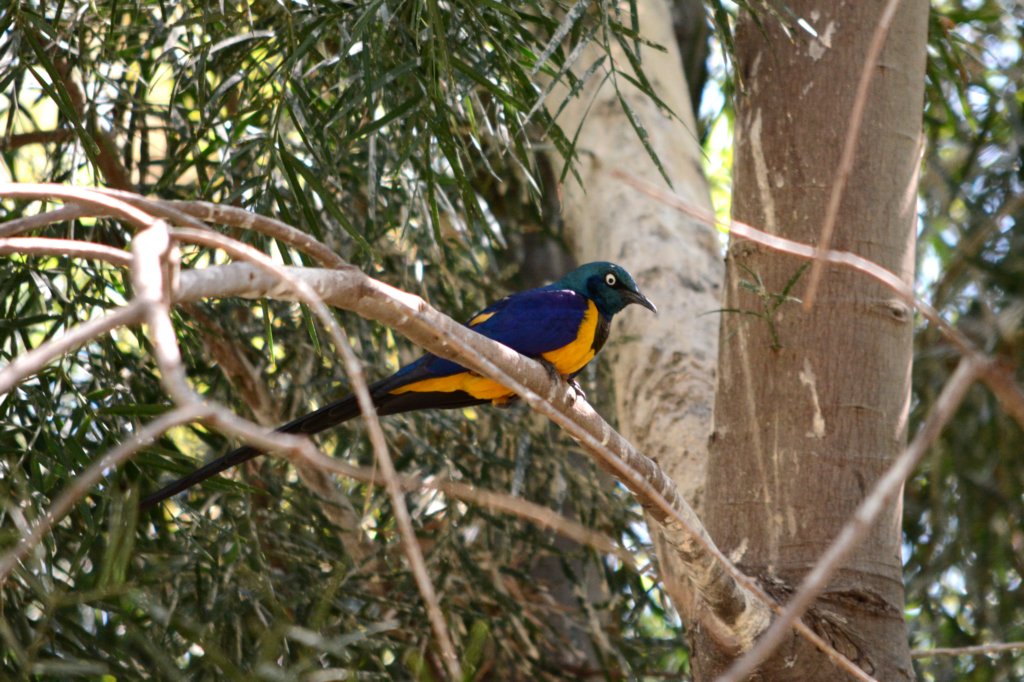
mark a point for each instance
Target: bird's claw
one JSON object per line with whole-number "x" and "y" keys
{"x": 577, "y": 389}
{"x": 555, "y": 375}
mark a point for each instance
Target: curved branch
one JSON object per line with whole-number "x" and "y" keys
{"x": 64, "y": 247}
{"x": 184, "y": 213}
{"x": 32, "y": 222}
{"x": 32, "y": 362}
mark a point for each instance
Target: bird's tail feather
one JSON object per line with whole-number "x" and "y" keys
{"x": 327, "y": 416}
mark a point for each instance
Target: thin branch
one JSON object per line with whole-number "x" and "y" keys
{"x": 850, "y": 146}
{"x": 192, "y": 213}
{"x": 524, "y": 509}
{"x": 90, "y": 199}
{"x": 18, "y": 140}
{"x": 64, "y": 247}
{"x": 114, "y": 172}
{"x": 85, "y": 481}
{"x": 978, "y": 650}
{"x": 155, "y": 207}
{"x": 32, "y": 362}
{"x": 411, "y": 546}
{"x": 857, "y": 528}
{"x": 187, "y": 214}
{"x": 32, "y": 222}
{"x": 999, "y": 377}
{"x": 247, "y": 220}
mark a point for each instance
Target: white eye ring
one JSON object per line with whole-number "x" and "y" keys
{"x": 610, "y": 279}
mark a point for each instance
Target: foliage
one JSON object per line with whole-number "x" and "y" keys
{"x": 403, "y": 134}
{"x": 964, "y": 511}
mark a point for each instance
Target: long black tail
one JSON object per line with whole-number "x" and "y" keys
{"x": 330, "y": 415}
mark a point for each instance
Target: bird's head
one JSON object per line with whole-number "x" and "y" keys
{"x": 607, "y": 284}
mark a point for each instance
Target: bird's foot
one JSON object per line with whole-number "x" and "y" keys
{"x": 577, "y": 389}
{"x": 555, "y": 375}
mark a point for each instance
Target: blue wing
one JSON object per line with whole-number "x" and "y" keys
{"x": 531, "y": 322}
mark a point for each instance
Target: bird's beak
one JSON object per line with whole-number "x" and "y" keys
{"x": 637, "y": 297}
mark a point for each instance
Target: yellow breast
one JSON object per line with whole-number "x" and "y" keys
{"x": 573, "y": 357}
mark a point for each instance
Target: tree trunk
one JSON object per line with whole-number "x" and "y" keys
{"x": 812, "y": 406}
{"x": 663, "y": 378}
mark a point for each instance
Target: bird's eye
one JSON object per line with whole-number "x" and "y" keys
{"x": 610, "y": 279}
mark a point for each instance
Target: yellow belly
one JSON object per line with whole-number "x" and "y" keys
{"x": 568, "y": 360}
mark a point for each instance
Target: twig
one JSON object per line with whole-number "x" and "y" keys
{"x": 850, "y": 537}
{"x": 31, "y": 222}
{"x": 89, "y": 199}
{"x": 411, "y": 546}
{"x": 795, "y": 248}
{"x": 192, "y": 213}
{"x": 999, "y": 378}
{"x": 18, "y": 140}
{"x": 27, "y": 364}
{"x": 850, "y": 146}
{"x": 84, "y": 481}
{"x": 247, "y": 220}
{"x": 977, "y": 650}
{"x": 187, "y": 214}
{"x": 64, "y": 247}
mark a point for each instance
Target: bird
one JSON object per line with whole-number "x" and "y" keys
{"x": 563, "y": 325}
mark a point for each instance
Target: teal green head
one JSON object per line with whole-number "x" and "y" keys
{"x": 608, "y": 285}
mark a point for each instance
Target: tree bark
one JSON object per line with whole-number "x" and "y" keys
{"x": 663, "y": 378}
{"x": 812, "y": 406}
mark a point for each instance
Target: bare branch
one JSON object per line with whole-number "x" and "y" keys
{"x": 999, "y": 379}
{"x": 185, "y": 213}
{"x": 85, "y": 481}
{"x": 247, "y": 220}
{"x": 18, "y": 140}
{"x": 64, "y": 247}
{"x": 32, "y": 222}
{"x": 410, "y": 544}
{"x": 978, "y": 650}
{"x": 24, "y": 366}
{"x": 890, "y": 484}
{"x": 795, "y": 248}
{"x": 90, "y": 199}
